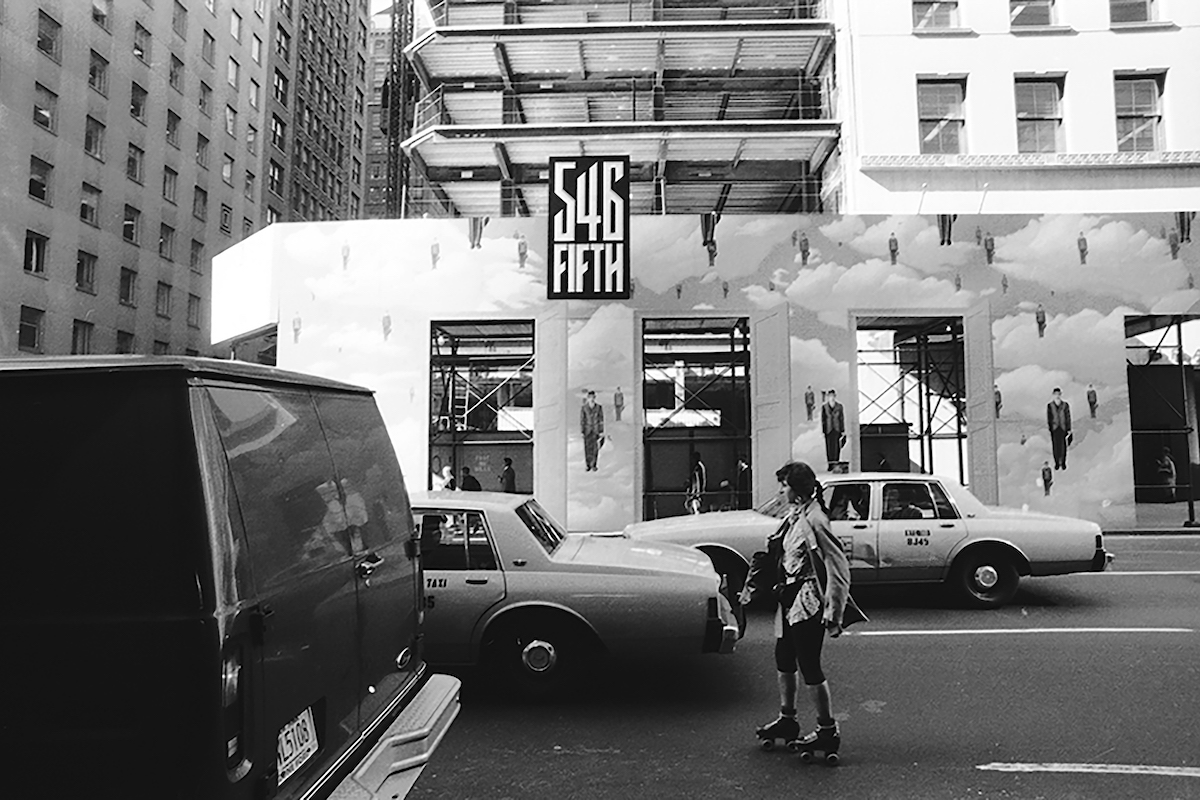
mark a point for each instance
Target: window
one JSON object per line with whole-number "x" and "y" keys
{"x": 41, "y": 175}
{"x": 161, "y": 348}
{"x": 102, "y": 12}
{"x": 193, "y": 311}
{"x": 36, "y": 247}
{"x": 166, "y": 242}
{"x": 283, "y": 43}
{"x": 1039, "y": 120}
{"x": 848, "y": 501}
{"x": 457, "y": 540}
{"x": 255, "y": 89}
{"x": 260, "y": 7}
{"x": 230, "y": 120}
{"x": 208, "y": 47}
{"x": 227, "y": 169}
{"x": 200, "y": 203}
{"x": 1137, "y": 114}
{"x": 256, "y": 49}
{"x": 281, "y": 88}
{"x": 211, "y": 5}
{"x": 356, "y": 171}
{"x": 226, "y": 219}
{"x": 935, "y": 15}
{"x": 359, "y": 101}
{"x": 49, "y": 35}
{"x": 179, "y": 19}
{"x": 278, "y": 132}
{"x": 233, "y": 72}
{"x": 125, "y": 342}
{"x": 939, "y": 105}
{"x": 248, "y": 190}
{"x": 141, "y": 43}
{"x": 1030, "y": 13}
{"x": 252, "y": 138}
{"x": 29, "y": 335}
{"x": 81, "y": 337}
{"x": 93, "y": 138}
{"x": 137, "y": 103}
{"x": 907, "y": 501}
{"x": 173, "y": 129}
{"x": 175, "y": 77}
{"x": 170, "y": 184}
{"x": 1130, "y": 11}
{"x": 202, "y": 150}
{"x": 247, "y": 227}
{"x": 358, "y": 136}
{"x": 127, "y": 288}
{"x": 162, "y": 299}
{"x": 196, "y": 256}
{"x": 45, "y": 107}
{"x": 275, "y": 179}
{"x": 271, "y": 216}
{"x": 286, "y": 7}
{"x": 135, "y": 163}
{"x": 205, "y": 102}
{"x": 85, "y": 272}
{"x": 235, "y": 26}
{"x": 89, "y": 204}
{"x": 131, "y": 227}
{"x": 98, "y": 73}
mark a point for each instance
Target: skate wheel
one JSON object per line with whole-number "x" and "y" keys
{"x": 806, "y": 756}
{"x": 767, "y": 744}
{"x": 832, "y": 759}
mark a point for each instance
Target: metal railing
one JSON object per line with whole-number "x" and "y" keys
{"x": 448, "y": 12}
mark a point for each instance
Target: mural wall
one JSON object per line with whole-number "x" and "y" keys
{"x": 354, "y": 300}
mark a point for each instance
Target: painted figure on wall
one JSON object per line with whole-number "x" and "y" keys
{"x": 1183, "y": 221}
{"x": 591, "y": 425}
{"x": 893, "y": 247}
{"x": 697, "y": 485}
{"x": 804, "y": 249}
{"x": 708, "y": 235}
{"x": 435, "y": 252}
{"x": 1082, "y": 244}
{"x": 1173, "y": 243}
{"x": 1040, "y": 317}
{"x": 833, "y": 425}
{"x": 1093, "y": 400}
{"x": 475, "y": 233}
{"x": 1058, "y": 420}
{"x": 508, "y": 477}
{"x": 945, "y": 223}
{"x": 345, "y": 256}
{"x": 810, "y": 402}
{"x": 618, "y": 404}
{"x": 989, "y": 247}
{"x": 998, "y": 398}
{"x": 1004, "y": 283}
{"x": 1047, "y": 478}
{"x": 296, "y": 323}
{"x": 387, "y": 325}
{"x": 978, "y": 236}
{"x": 522, "y": 251}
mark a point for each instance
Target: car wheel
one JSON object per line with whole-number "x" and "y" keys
{"x": 542, "y": 658}
{"x": 985, "y": 578}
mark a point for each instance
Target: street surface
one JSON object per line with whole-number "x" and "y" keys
{"x": 1087, "y": 686}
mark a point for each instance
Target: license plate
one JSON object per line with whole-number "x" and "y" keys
{"x": 297, "y": 743}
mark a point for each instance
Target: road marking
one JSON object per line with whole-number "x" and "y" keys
{"x": 990, "y": 631}
{"x": 1158, "y": 572}
{"x": 1102, "y": 769}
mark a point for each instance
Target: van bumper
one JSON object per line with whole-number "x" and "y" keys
{"x": 392, "y": 767}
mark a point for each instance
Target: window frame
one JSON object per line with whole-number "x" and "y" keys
{"x": 135, "y": 164}
{"x": 85, "y": 271}
{"x": 200, "y": 203}
{"x": 139, "y": 102}
{"x": 960, "y": 119}
{"x": 49, "y": 32}
{"x": 127, "y": 280}
{"x": 142, "y": 43}
{"x": 929, "y": 21}
{"x": 37, "y": 253}
{"x": 162, "y": 300}
{"x": 81, "y": 337}
{"x": 87, "y": 190}
{"x": 175, "y": 73}
{"x": 170, "y": 185}
{"x": 1156, "y": 80}
{"x": 166, "y": 242}
{"x": 33, "y": 318}
{"x": 1150, "y": 11}
{"x": 45, "y": 104}
{"x": 41, "y": 175}
{"x": 1024, "y": 118}
{"x": 131, "y": 225}
{"x": 98, "y": 78}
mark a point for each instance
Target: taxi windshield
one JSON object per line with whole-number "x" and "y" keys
{"x": 543, "y": 527}
{"x": 777, "y": 507}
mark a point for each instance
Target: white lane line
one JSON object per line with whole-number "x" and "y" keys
{"x": 992, "y": 631}
{"x": 1101, "y": 769}
{"x": 1115, "y": 572}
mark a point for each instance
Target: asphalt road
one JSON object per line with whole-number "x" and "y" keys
{"x": 1086, "y": 672}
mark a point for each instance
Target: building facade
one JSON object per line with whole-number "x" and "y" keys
{"x": 1019, "y": 106}
{"x": 941, "y": 340}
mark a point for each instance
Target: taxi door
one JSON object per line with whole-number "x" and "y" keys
{"x": 462, "y": 580}
{"x": 850, "y": 519}
{"x": 918, "y": 528}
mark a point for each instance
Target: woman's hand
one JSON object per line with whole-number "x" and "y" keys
{"x": 832, "y": 623}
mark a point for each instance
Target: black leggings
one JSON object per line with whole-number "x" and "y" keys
{"x": 801, "y": 644}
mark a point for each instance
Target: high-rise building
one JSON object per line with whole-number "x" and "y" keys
{"x": 1018, "y": 106}
{"x": 380, "y": 56}
{"x": 721, "y": 107}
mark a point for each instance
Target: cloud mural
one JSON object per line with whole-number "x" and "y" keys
{"x": 831, "y": 290}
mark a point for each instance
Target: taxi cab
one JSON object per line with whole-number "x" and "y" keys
{"x": 507, "y": 587}
{"x": 906, "y": 528}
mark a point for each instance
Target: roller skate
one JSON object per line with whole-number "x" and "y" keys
{"x": 825, "y": 739}
{"x": 782, "y": 728}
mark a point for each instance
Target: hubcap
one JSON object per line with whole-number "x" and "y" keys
{"x": 986, "y": 577}
{"x": 539, "y": 656}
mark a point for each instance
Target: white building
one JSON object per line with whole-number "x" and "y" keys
{"x": 1042, "y": 106}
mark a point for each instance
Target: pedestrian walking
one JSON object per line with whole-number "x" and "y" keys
{"x": 805, "y": 569}
{"x": 508, "y": 477}
{"x": 469, "y": 482}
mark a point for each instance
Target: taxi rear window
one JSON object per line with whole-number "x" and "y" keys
{"x": 543, "y": 527}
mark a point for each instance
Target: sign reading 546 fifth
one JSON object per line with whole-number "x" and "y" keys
{"x": 589, "y": 228}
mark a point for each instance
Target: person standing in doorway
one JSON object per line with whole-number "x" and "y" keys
{"x": 508, "y": 477}
{"x": 810, "y": 402}
{"x": 469, "y": 482}
{"x": 1047, "y": 478}
{"x": 697, "y": 485}
{"x": 1058, "y": 420}
{"x": 618, "y": 404}
{"x": 591, "y": 425}
{"x": 833, "y": 425}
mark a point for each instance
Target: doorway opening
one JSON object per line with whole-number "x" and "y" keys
{"x": 481, "y": 402}
{"x": 696, "y": 415}
{"x": 912, "y": 405}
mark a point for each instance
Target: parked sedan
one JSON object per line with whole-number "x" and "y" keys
{"x": 506, "y": 585}
{"x": 902, "y": 528}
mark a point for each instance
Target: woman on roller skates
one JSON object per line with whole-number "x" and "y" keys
{"x": 807, "y": 571}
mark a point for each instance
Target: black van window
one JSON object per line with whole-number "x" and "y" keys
{"x": 377, "y": 509}
{"x": 286, "y": 488}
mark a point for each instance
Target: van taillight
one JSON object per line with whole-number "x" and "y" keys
{"x": 233, "y": 704}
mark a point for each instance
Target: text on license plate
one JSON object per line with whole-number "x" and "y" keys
{"x": 297, "y": 743}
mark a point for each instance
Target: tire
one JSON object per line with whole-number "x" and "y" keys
{"x": 985, "y": 578}
{"x": 541, "y": 657}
